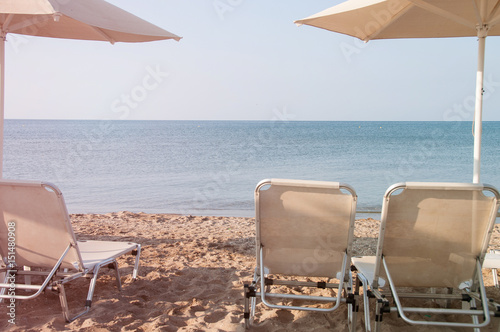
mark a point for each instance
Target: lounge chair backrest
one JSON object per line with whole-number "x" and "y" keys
{"x": 304, "y": 227}
{"x": 432, "y": 234}
{"x": 33, "y": 216}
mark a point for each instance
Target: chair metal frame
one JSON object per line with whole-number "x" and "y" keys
{"x": 262, "y": 284}
{"x": 76, "y": 259}
{"x": 374, "y": 271}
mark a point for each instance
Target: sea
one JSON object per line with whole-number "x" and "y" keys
{"x": 212, "y": 167}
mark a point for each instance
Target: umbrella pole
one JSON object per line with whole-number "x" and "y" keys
{"x": 2, "y": 97}
{"x": 479, "y": 106}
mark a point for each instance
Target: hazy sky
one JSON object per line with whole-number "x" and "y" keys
{"x": 246, "y": 60}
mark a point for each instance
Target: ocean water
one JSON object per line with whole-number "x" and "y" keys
{"x": 212, "y": 167}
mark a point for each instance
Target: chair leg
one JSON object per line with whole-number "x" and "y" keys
{"x": 64, "y": 302}
{"x": 246, "y": 299}
{"x": 90, "y": 294}
{"x": 65, "y": 307}
{"x": 117, "y": 275}
{"x": 469, "y": 305}
{"x": 379, "y": 313}
{"x": 3, "y": 277}
{"x": 136, "y": 266}
{"x": 92, "y": 285}
{"x": 352, "y": 312}
{"x": 362, "y": 282}
{"x": 88, "y": 301}
{"x": 27, "y": 278}
{"x": 449, "y": 291}
{"x": 249, "y": 304}
{"x": 495, "y": 277}
{"x": 353, "y": 307}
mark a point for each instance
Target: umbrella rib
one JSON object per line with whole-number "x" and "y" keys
{"x": 105, "y": 35}
{"x": 5, "y": 25}
{"x": 389, "y": 22}
{"x": 490, "y": 21}
{"x": 478, "y": 13}
{"x": 442, "y": 13}
{"x": 23, "y": 24}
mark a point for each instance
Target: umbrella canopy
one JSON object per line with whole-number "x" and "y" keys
{"x": 70, "y": 19}
{"x": 392, "y": 19}
{"x": 77, "y": 19}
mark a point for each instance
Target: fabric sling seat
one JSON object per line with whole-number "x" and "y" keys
{"x": 304, "y": 230}
{"x": 37, "y": 243}
{"x": 432, "y": 242}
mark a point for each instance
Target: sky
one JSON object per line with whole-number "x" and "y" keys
{"x": 246, "y": 60}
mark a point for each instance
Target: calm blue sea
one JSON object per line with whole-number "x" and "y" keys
{"x": 212, "y": 167}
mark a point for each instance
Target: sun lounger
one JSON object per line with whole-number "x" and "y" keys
{"x": 304, "y": 230}
{"x": 432, "y": 243}
{"x": 39, "y": 250}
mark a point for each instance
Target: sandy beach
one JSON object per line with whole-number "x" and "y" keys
{"x": 191, "y": 279}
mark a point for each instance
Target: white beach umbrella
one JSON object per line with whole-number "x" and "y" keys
{"x": 70, "y": 19}
{"x": 391, "y": 19}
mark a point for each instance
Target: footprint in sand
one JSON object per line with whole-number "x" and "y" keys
{"x": 215, "y": 316}
{"x": 285, "y": 316}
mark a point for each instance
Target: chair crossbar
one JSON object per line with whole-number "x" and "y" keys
{"x": 443, "y": 311}
{"x": 301, "y": 283}
{"x": 336, "y": 299}
{"x": 427, "y": 296}
{"x": 402, "y": 310}
{"x": 42, "y": 286}
{"x": 302, "y": 297}
{"x": 19, "y": 286}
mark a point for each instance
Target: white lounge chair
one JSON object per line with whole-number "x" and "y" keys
{"x": 432, "y": 243}
{"x": 39, "y": 250}
{"x": 303, "y": 229}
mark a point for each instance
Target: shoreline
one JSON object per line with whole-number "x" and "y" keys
{"x": 190, "y": 279}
